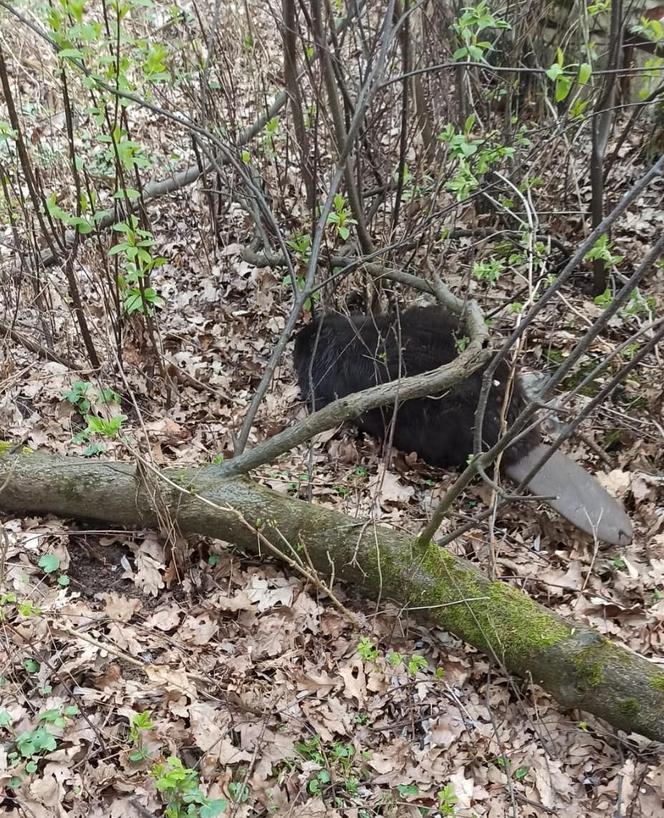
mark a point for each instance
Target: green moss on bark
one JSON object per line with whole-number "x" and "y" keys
{"x": 491, "y": 615}
{"x": 657, "y": 683}
{"x": 590, "y": 664}
{"x": 629, "y": 708}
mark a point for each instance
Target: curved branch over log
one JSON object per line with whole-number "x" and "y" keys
{"x": 349, "y": 407}
{"x": 574, "y": 663}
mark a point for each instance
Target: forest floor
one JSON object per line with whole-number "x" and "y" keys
{"x": 114, "y": 657}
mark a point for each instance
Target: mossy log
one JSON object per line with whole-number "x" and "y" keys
{"x": 574, "y": 663}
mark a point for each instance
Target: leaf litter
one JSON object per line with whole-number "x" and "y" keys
{"x": 245, "y": 672}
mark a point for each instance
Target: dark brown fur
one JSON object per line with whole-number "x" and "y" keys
{"x": 337, "y": 356}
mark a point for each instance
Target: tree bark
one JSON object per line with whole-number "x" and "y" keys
{"x": 574, "y": 663}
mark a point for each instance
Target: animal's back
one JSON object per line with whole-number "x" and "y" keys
{"x": 338, "y": 355}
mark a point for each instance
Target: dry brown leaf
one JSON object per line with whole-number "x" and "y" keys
{"x": 389, "y": 488}
{"x": 119, "y": 607}
{"x": 172, "y": 679}
{"x": 355, "y": 682}
{"x": 198, "y": 630}
{"x": 259, "y": 591}
{"x": 165, "y": 619}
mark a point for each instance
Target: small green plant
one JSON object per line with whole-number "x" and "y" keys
{"x": 239, "y": 792}
{"x": 78, "y": 396}
{"x": 141, "y": 723}
{"x": 461, "y": 343}
{"x": 338, "y": 763}
{"x": 310, "y": 750}
{"x": 300, "y": 244}
{"x": 488, "y": 270}
{"x": 639, "y": 304}
{"x": 83, "y": 395}
{"x": 27, "y": 609}
{"x": 603, "y": 299}
{"x": 341, "y": 217}
{"x": 31, "y": 665}
{"x": 447, "y": 800}
{"x": 59, "y": 718}
{"x": 406, "y": 790}
{"x": 652, "y": 30}
{"x": 155, "y": 68}
{"x": 461, "y": 144}
{"x": 367, "y": 650}
{"x": 472, "y": 22}
{"x": 599, "y": 7}
{"x": 394, "y": 659}
{"x": 7, "y": 605}
{"x": 91, "y": 403}
{"x": 137, "y": 264}
{"x": 475, "y": 156}
{"x": 179, "y": 788}
{"x": 106, "y": 427}
{"x": 30, "y": 745}
{"x": 80, "y": 223}
{"x": 563, "y": 77}
{"x": 49, "y": 563}
{"x": 300, "y": 283}
{"x": 271, "y": 129}
{"x": 319, "y": 782}
{"x": 415, "y": 664}
{"x": 601, "y": 250}
{"x": 7, "y": 133}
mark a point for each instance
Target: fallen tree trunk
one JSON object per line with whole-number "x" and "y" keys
{"x": 574, "y": 663}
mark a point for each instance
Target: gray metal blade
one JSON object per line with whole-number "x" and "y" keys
{"x": 576, "y": 494}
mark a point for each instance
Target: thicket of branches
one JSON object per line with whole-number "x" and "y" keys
{"x": 377, "y": 141}
{"x": 354, "y": 156}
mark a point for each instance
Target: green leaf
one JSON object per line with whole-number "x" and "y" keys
{"x": 94, "y": 449}
{"x": 563, "y": 87}
{"x": 578, "y": 108}
{"x": 585, "y": 72}
{"x": 49, "y": 563}
{"x": 554, "y": 72}
{"x": 213, "y": 808}
{"x": 70, "y": 53}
